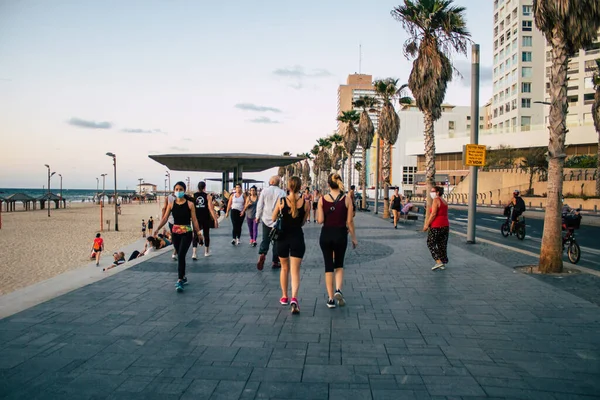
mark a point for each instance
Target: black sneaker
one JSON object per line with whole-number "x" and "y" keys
{"x": 331, "y": 303}
{"x": 340, "y": 298}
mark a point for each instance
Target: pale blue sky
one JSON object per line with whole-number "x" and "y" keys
{"x": 166, "y": 76}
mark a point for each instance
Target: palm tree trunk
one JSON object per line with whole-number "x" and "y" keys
{"x": 551, "y": 250}
{"x": 385, "y": 172}
{"x": 429, "y": 160}
{"x": 364, "y": 182}
{"x": 596, "y": 118}
{"x": 350, "y": 163}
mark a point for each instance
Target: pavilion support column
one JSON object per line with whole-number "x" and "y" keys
{"x": 240, "y": 179}
{"x": 224, "y": 180}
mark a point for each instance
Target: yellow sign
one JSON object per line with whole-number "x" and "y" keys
{"x": 474, "y": 155}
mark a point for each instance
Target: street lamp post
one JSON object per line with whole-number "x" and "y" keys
{"x": 140, "y": 189}
{"x": 168, "y": 175}
{"x": 97, "y": 185}
{"x": 114, "y": 157}
{"x": 49, "y": 176}
{"x": 103, "y": 186}
{"x": 165, "y": 186}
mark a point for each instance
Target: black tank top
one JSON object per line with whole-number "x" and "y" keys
{"x": 290, "y": 223}
{"x": 201, "y": 204}
{"x": 181, "y": 213}
{"x": 337, "y": 217}
{"x": 396, "y": 202}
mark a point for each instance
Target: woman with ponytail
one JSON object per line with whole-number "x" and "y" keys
{"x": 290, "y": 243}
{"x": 336, "y": 214}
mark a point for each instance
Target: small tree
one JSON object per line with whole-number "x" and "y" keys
{"x": 534, "y": 161}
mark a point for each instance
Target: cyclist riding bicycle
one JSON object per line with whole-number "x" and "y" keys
{"x": 517, "y": 208}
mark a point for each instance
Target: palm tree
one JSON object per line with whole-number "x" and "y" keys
{"x": 388, "y": 129}
{"x": 337, "y": 150}
{"x": 322, "y": 160}
{"x": 315, "y": 152}
{"x": 568, "y": 25}
{"x": 349, "y": 118}
{"x": 366, "y": 133}
{"x": 596, "y": 118}
{"x": 358, "y": 167}
{"x": 533, "y": 162}
{"x": 435, "y": 28}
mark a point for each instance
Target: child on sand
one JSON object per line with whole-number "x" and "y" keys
{"x": 143, "y": 229}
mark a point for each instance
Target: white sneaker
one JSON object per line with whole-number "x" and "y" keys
{"x": 438, "y": 266}
{"x": 174, "y": 256}
{"x": 233, "y": 242}
{"x": 237, "y": 242}
{"x": 207, "y": 254}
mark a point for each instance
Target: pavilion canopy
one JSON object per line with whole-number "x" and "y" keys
{"x": 223, "y": 162}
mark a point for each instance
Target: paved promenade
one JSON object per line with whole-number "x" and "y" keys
{"x": 476, "y": 330}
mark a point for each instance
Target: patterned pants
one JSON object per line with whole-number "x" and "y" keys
{"x": 437, "y": 242}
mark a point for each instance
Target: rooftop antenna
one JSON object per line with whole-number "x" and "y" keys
{"x": 359, "y": 58}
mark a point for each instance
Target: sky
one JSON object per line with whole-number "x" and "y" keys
{"x": 80, "y": 78}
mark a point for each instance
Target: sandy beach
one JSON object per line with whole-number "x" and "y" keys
{"x": 34, "y": 247}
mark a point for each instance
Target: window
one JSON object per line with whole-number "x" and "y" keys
{"x": 495, "y": 112}
{"x": 588, "y": 82}
{"x": 526, "y": 10}
{"x": 525, "y": 103}
{"x": 468, "y": 126}
{"x": 526, "y": 26}
{"x": 514, "y": 60}
{"x": 525, "y": 123}
{"x": 408, "y": 175}
{"x": 468, "y": 117}
{"x": 514, "y": 124}
{"x": 514, "y": 44}
{"x": 590, "y": 66}
{"x": 514, "y": 107}
{"x": 527, "y": 40}
{"x": 496, "y": 59}
{"x": 526, "y": 72}
{"x": 451, "y": 125}
{"x": 526, "y": 56}
{"x": 507, "y": 107}
{"x": 525, "y": 87}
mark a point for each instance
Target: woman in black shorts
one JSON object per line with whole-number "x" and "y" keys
{"x": 337, "y": 216}
{"x": 290, "y": 243}
{"x": 396, "y": 206}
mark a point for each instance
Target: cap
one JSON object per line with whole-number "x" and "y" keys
{"x": 517, "y": 191}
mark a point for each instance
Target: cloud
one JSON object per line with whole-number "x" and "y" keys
{"x": 263, "y": 120}
{"x": 139, "y": 130}
{"x": 464, "y": 67}
{"x": 298, "y": 72}
{"x": 82, "y": 123}
{"x": 254, "y": 107}
{"x": 298, "y": 75}
{"x": 176, "y": 148}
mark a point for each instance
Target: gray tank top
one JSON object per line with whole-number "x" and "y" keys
{"x": 251, "y": 209}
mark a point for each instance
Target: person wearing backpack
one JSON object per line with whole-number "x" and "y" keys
{"x": 336, "y": 213}
{"x": 519, "y": 208}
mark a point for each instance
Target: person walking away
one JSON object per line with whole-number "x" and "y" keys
{"x": 250, "y": 212}
{"x": 336, "y": 213}
{"x": 315, "y": 204}
{"x": 290, "y": 243}
{"x": 518, "y": 208}
{"x": 307, "y": 196}
{"x": 150, "y": 226}
{"x": 169, "y": 200}
{"x": 396, "y": 206}
{"x": 98, "y": 247}
{"x": 437, "y": 227}
{"x": 267, "y": 201}
{"x": 207, "y": 219}
{"x": 236, "y": 208}
{"x": 183, "y": 212}
{"x": 143, "y": 229}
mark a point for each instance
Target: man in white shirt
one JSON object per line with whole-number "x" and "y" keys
{"x": 264, "y": 212}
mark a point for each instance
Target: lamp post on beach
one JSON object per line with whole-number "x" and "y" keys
{"x": 97, "y": 185}
{"x": 114, "y": 157}
{"x": 60, "y": 185}
{"x": 49, "y": 176}
{"x": 103, "y": 186}
{"x": 168, "y": 175}
{"x": 140, "y": 189}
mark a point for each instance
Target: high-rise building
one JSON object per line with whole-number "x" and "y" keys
{"x": 519, "y": 53}
{"x": 357, "y": 85}
{"x": 580, "y": 90}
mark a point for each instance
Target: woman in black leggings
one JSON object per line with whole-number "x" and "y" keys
{"x": 335, "y": 213}
{"x": 236, "y": 203}
{"x": 183, "y": 212}
{"x": 207, "y": 219}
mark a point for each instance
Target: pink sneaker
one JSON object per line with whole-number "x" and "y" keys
{"x": 283, "y": 301}
{"x": 295, "y": 306}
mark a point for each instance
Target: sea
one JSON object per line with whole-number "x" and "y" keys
{"x": 79, "y": 195}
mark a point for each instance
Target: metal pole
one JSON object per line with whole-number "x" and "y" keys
{"x": 474, "y": 140}
{"x": 48, "y": 199}
{"x": 116, "y": 194}
{"x": 377, "y": 146}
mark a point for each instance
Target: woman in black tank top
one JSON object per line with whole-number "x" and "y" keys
{"x": 290, "y": 243}
{"x": 207, "y": 219}
{"x": 396, "y": 206}
{"x": 183, "y": 216}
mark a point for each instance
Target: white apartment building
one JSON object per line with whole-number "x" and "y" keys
{"x": 519, "y": 50}
{"x": 580, "y": 90}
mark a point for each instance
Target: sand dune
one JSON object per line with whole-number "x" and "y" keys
{"x": 34, "y": 247}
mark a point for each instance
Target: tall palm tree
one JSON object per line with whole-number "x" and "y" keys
{"x": 568, "y": 25}
{"x": 349, "y": 118}
{"x": 596, "y": 118}
{"x": 388, "y": 129}
{"x": 337, "y": 150}
{"x": 435, "y": 28}
{"x": 315, "y": 152}
{"x": 322, "y": 160}
{"x": 358, "y": 167}
{"x": 366, "y": 133}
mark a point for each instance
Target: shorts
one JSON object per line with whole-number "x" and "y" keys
{"x": 291, "y": 245}
{"x": 315, "y": 205}
{"x": 97, "y": 251}
{"x": 515, "y": 215}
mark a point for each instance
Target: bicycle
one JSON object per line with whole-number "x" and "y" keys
{"x": 519, "y": 230}
{"x": 570, "y": 222}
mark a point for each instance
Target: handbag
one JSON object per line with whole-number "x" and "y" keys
{"x": 278, "y": 227}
